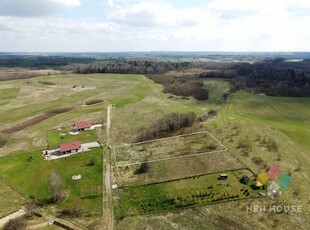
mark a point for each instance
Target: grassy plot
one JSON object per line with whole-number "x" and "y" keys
{"x": 7, "y": 95}
{"x": 178, "y": 194}
{"x": 9, "y": 199}
{"x": 178, "y": 168}
{"x": 290, "y": 115}
{"x": 33, "y": 177}
{"x": 56, "y": 137}
{"x": 166, "y": 148}
{"x": 217, "y": 89}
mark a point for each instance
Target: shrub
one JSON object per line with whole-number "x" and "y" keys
{"x": 143, "y": 168}
{"x": 211, "y": 146}
{"x": 201, "y": 94}
{"x": 47, "y": 82}
{"x": 91, "y": 162}
{"x": 166, "y": 125}
{"x": 15, "y": 224}
{"x": 244, "y": 144}
{"x": 2, "y": 140}
{"x": 93, "y": 101}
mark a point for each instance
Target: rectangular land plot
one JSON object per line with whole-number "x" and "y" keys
{"x": 56, "y": 137}
{"x": 173, "y": 195}
{"x": 10, "y": 200}
{"x": 178, "y": 168}
{"x": 166, "y": 148}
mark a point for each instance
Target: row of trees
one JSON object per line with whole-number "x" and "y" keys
{"x": 271, "y": 78}
{"x": 166, "y": 125}
{"x": 143, "y": 66}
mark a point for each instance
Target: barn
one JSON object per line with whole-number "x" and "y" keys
{"x": 83, "y": 125}
{"x": 70, "y": 147}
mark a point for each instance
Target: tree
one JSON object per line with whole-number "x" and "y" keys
{"x": 30, "y": 208}
{"x": 56, "y": 186}
{"x": 91, "y": 162}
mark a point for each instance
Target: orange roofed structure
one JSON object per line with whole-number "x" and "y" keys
{"x": 70, "y": 147}
{"x": 80, "y": 126}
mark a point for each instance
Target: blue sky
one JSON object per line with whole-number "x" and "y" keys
{"x": 141, "y": 25}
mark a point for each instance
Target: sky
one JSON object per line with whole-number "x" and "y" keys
{"x": 154, "y": 25}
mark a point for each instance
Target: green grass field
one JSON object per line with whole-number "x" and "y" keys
{"x": 56, "y": 137}
{"x": 286, "y": 120}
{"x": 137, "y": 103}
{"x": 9, "y": 199}
{"x": 33, "y": 176}
{"x": 179, "y": 194}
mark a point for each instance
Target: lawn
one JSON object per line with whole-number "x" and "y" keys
{"x": 179, "y": 194}
{"x": 32, "y": 177}
{"x": 10, "y": 200}
{"x": 56, "y": 137}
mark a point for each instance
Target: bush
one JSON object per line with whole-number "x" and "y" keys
{"x": 244, "y": 144}
{"x": 93, "y": 101}
{"x": 15, "y": 224}
{"x": 143, "y": 168}
{"x": 47, "y": 82}
{"x": 166, "y": 125}
{"x": 91, "y": 162}
{"x": 2, "y": 140}
{"x": 201, "y": 94}
{"x": 182, "y": 86}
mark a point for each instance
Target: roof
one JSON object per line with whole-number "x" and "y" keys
{"x": 273, "y": 186}
{"x": 223, "y": 174}
{"x": 69, "y": 146}
{"x": 82, "y": 125}
{"x": 257, "y": 184}
{"x": 273, "y": 171}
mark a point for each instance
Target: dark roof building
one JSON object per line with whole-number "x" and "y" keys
{"x": 244, "y": 179}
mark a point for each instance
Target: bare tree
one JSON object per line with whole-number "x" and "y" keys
{"x": 56, "y": 185}
{"x": 30, "y": 207}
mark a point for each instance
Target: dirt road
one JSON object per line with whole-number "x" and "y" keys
{"x": 14, "y": 215}
{"x": 107, "y": 178}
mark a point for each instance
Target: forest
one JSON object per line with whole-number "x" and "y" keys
{"x": 275, "y": 77}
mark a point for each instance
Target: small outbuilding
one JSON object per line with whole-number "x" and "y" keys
{"x": 70, "y": 147}
{"x": 244, "y": 179}
{"x": 257, "y": 185}
{"x": 272, "y": 189}
{"x": 222, "y": 176}
{"x": 83, "y": 125}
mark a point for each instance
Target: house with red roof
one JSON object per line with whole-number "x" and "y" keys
{"x": 82, "y": 125}
{"x": 70, "y": 147}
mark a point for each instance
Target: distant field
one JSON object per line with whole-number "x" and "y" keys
{"x": 182, "y": 193}
{"x": 32, "y": 177}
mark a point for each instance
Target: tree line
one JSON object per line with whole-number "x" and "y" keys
{"x": 272, "y": 78}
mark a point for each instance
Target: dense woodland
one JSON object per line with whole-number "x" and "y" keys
{"x": 274, "y": 76}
